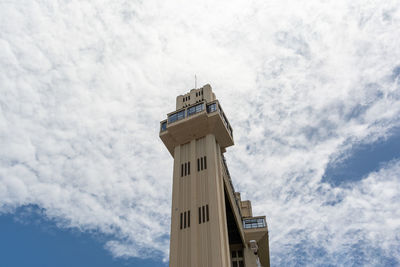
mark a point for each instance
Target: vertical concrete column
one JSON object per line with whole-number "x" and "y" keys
{"x": 175, "y": 213}
{"x": 219, "y": 234}
{"x": 263, "y": 250}
{"x": 193, "y": 205}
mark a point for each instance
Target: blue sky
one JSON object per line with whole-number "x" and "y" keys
{"x": 311, "y": 89}
{"x": 43, "y": 244}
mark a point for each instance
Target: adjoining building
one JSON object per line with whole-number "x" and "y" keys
{"x": 210, "y": 225}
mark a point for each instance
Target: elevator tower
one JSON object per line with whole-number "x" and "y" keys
{"x": 210, "y": 225}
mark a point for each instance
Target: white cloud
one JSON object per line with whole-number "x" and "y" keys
{"x": 83, "y": 86}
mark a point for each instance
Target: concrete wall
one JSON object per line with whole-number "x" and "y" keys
{"x": 202, "y": 244}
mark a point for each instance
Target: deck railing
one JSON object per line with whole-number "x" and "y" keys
{"x": 194, "y": 109}
{"x": 231, "y": 184}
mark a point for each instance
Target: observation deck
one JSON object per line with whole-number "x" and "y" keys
{"x": 196, "y": 121}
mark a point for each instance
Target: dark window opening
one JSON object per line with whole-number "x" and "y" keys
{"x": 198, "y": 165}
{"x": 211, "y": 107}
{"x": 184, "y": 220}
{"x": 237, "y": 258}
{"x": 204, "y": 217}
{"x": 205, "y": 162}
{"x": 208, "y": 214}
{"x": 188, "y": 167}
{"x": 199, "y": 215}
{"x": 185, "y": 168}
{"x": 181, "y": 170}
{"x": 189, "y": 218}
{"x": 201, "y": 160}
{"x": 181, "y": 219}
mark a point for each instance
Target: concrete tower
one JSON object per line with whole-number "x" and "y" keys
{"x": 210, "y": 225}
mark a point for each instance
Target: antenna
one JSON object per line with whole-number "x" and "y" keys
{"x": 195, "y": 81}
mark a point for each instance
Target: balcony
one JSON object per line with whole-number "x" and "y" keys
{"x": 255, "y": 228}
{"x": 196, "y": 121}
{"x": 254, "y": 222}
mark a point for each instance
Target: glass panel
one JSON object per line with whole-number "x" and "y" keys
{"x": 240, "y": 254}
{"x": 163, "y": 126}
{"x": 241, "y": 264}
{"x": 195, "y": 109}
{"x": 176, "y": 116}
{"x": 254, "y": 223}
{"x": 211, "y": 108}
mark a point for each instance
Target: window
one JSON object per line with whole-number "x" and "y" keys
{"x": 185, "y": 220}
{"x": 254, "y": 223}
{"x": 195, "y": 109}
{"x": 201, "y": 163}
{"x": 199, "y": 215}
{"x": 211, "y": 107}
{"x": 185, "y": 169}
{"x": 176, "y": 116}
{"x": 204, "y": 214}
{"x": 163, "y": 126}
{"x": 237, "y": 258}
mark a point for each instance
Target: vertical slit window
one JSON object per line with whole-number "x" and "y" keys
{"x": 181, "y": 170}
{"x": 199, "y": 215}
{"x": 208, "y": 214}
{"x": 204, "y": 217}
{"x": 188, "y": 167}
{"x": 198, "y": 165}
{"x": 201, "y": 160}
{"x": 181, "y": 219}
{"x": 205, "y": 162}
{"x": 184, "y": 220}
{"x": 185, "y": 168}
{"x": 189, "y": 218}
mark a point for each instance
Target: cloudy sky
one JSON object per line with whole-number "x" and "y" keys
{"x": 311, "y": 89}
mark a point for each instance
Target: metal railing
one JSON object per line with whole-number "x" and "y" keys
{"x": 212, "y": 107}
{"x": 194, "y": 109}
{"x": 231, "y": 184}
